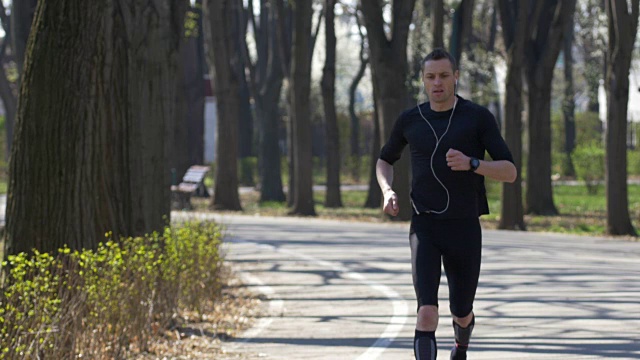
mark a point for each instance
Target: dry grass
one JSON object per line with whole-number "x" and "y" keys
{"x": 203, "y": 337}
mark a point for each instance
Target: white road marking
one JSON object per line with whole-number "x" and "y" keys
{"x": 395, "y": 325}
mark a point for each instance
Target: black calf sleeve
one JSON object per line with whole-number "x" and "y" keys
{"x": 463, "y": 335}
{"x": 424, "y": 345}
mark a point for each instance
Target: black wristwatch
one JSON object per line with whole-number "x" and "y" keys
{"x": 474, "y": 163}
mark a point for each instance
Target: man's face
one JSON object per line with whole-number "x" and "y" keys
{"x": 439, "y": 80}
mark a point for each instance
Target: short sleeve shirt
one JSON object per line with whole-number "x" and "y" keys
{"x": 473, "y": 131}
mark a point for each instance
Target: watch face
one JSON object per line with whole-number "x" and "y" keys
{"x": 475, "y": 163}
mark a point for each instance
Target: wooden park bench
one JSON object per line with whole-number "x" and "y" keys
{"x": 192, "y": 185}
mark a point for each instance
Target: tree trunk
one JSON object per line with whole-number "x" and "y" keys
{"x": 22, "y": 12}
{"x": 389, "y": 67}
{"x": 189, "y": 127}
{"x": 303, "y": 203}
{"x": 245, "y": 121}
{"x": 270, "y": 166}
{"x": 514, "y": 25}
{"x": 266, "y": 76}
{"x": 196, "y": 98}
{"x": 90, "y": 154}
{"x": 220, "y": 33}
{"x": 354, "y": 138}
{"x": 544, "y": 41}
{"x": 622, "y": 35}
{"x": 462, "y": 23}
{"x": 569, "y": 103}
{"x": 437, "y": 23}
{"x": 539, "y": 189}
{"x": 374, "y": 195}
{"x": 10, "y": 102}
{"x": 333, "y": 198}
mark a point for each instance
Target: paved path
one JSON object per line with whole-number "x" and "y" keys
{"x": 341, "y": 290}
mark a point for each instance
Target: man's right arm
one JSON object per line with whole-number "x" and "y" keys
{"x": 384, "y": 174}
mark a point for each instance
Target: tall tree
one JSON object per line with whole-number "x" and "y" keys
{"x": 388, "y": 56}
{"x": 266, "y": 74}
{"x": 245, "y": 120}
{"x": 300, "y": 92}
{"x": 221, "y": 31}
{"x": 514, "y": 17}
{"x": 569, "y": 103}
{"x": 544, "y": 41}
{"x": 22, "y": 12}
{"x": 437, "y": 23}
{"x": 90, "y": 152}
{"x": 333, "y": 198}
{"x": 374, "y": 193}
{"x": 189, "y": 127}
{"x": 623, "y": 26}
{"x": 354, "y": 136}
{"x": 8, "y": 93}
{"x": 462, "y": 22}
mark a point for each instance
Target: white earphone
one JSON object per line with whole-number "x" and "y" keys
{"x": 438, "y": 139}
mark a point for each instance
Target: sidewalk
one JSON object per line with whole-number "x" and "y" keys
{"x": 342, "y": 290}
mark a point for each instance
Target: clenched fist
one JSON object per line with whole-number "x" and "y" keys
{"x": 390, "y": 205}
{"x": 457, "y": 161}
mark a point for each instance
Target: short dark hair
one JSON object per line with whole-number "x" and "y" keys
{"x": 439, "y": 54}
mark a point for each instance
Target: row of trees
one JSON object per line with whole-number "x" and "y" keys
{"x": 101, "y": 105}
{"x": 534, "y": 33}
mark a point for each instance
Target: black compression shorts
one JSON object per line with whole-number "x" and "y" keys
{"x": 455, "y": 243}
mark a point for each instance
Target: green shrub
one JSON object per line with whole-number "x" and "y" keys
{"x": 588, "y": 161}
{"x": 104, "y": 303}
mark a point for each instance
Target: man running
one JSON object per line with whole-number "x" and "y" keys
{"x": 447, "y": 137}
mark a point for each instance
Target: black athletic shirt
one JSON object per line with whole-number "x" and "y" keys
{"x": 473, "y": 131}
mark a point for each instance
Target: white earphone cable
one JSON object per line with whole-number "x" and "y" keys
{"x": 438, "y": 139}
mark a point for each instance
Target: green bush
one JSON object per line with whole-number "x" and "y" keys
{"x": 588, "y": 161}
{"x": 105, "y": 303}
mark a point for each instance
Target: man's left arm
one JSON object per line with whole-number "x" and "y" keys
{"x": 501, "y": 170}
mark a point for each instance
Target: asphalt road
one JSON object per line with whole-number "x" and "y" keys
{"x": 342, "y": 290}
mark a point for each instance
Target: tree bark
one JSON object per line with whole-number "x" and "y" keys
{"x": 303, "y": 203}
{"x": 266, "y": 77}
{"x": 22, "y": 12}
{"x": 569, "y": 103}
{"x": 220, "y": 34}
{"x": 189, "y": 127}
{"x": 374, "y": 194}
{"x": 437, "y": 23}
{"x": 333, "y": 198}
{"x": 514, "y": 25}
{"x": 245, "y": 123}
{"x": 389, "y": 67}
{"x": 623, "y": 26}
{"x": 462, "y": 23}
{"x": 10, "y": 102}
{"x": 544, "y": 41}
{"x": 7, "y": 93}
{"x": 90, "y": 152}
{"x": 354, "y": 137}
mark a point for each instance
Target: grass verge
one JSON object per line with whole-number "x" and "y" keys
{"x": 581, "y": 213}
